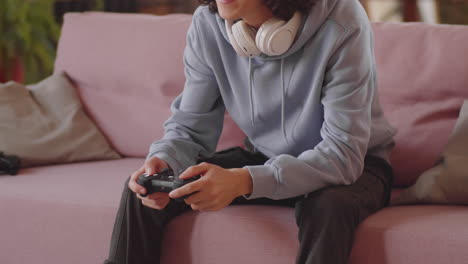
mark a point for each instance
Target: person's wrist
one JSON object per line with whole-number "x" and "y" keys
{"x": 246, "y": 182}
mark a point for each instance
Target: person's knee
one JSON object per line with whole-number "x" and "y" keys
{"x": 126, "y": 188}
{"x": 329, "y": 205}
{"x": 127, "y": 181}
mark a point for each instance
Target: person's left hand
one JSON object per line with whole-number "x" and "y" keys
{"x": 216, "y": 189}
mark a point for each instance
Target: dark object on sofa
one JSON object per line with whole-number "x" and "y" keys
{"x": 9, "y": 164}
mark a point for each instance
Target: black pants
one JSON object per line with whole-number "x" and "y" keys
{"x": 327, "y": 218}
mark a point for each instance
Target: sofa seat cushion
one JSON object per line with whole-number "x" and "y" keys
{"x": 65, "y": 214}
{"x": 268, "y": 234}
{"x": 236, "y": 234}
{"x": 97, "y": 184}
{"x": 62, "y": 213}
{"x": 412, "y": 235}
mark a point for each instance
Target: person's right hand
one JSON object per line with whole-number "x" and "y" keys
{"x": 157, "y": 200}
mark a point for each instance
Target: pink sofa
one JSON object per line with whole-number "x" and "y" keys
{"x": 128, "y": 69}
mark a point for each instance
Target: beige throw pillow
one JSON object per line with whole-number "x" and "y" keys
{"x": 447, "y": 182}
{"x": 45, "y": 124}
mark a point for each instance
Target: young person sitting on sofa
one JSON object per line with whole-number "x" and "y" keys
{"x": 299, "y": 79}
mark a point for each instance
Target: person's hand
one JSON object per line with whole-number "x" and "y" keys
{"x": 157, "y": 200}
{"x": 215, "y": 189}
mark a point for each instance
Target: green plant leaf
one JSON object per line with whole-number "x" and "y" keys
{"x": 29, "y": 32}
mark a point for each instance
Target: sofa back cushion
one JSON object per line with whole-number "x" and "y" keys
{"x": 423, "y": 80}
{"x": 128, "y": 68}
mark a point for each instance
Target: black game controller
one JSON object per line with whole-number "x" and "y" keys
{"x": 164, "y": 181}
{"x": 9, "y": 164}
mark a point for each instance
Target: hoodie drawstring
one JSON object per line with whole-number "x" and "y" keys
{"x": 283, "y": 105}
{"x": 252, "y": 114}
{"x": 283, "y": 98}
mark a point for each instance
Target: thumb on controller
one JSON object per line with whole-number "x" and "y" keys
{"x": 154, "y": 165}
{"x": 149, "y": 167}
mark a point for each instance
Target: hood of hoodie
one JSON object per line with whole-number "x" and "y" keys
{"x": 311, "y": 23}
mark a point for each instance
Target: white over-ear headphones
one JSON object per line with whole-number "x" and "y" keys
{"x": 273, "y": 38}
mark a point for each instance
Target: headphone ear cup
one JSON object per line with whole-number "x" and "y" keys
{"x": 263, "y": 38}
{"x": 275, "y": 37}
{"x": 234, "y": 44}
{"x": 245, "y": 37}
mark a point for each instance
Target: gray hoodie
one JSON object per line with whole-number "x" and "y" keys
{"x": 313, "y": 111}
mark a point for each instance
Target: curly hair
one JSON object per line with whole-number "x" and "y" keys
{"x": 281, "y": 8}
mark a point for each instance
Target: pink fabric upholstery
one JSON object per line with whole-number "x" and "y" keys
{"x": 423, "y": 79}
{"x": 61, "y": 214}
{"x": 413, "y": 234}
{"x": 268, "y": 234}
{"x": 228, "y": 236}
{"x": 128, "y": 71}
{"x": 64, "y": 214}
